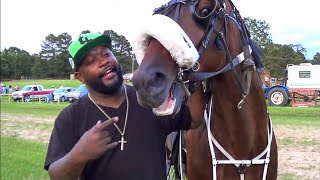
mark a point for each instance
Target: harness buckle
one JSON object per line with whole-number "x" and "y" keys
{"x": 204, "y": 86}
{"x": 222, "y": 12}
{"x": 196, "y": 67}
{"x": 183, "y": 76}
{"x": 180, "y": 75}
{"x": 242, "y": 168}
{"x": 239, "y": 106}
{"x": 204, "y": 44}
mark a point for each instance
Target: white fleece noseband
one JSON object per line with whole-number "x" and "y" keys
{"x": 171, "y": 36}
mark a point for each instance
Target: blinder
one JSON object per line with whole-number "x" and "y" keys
{"x": 209, "y": 23}
{"x": 203, "y": 21}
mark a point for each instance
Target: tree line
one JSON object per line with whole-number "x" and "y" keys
{"x": 277, "y": 56}
{"x": 52, "y": 61}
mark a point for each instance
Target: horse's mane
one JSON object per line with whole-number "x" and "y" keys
{"x": 159, "y": 9}
{"x": 256, "y": 54}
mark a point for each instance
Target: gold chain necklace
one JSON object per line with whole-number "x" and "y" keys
{"x": 122, "y": 141}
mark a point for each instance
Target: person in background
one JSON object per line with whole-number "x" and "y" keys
{"x": 1, "y": 89}
{"x": 4, "y": 89}
{"x": 106, "y": 134}
{"x": 50, "y": 98}
{"x": 10, "y": 90}
{"x": 17, "y": 88}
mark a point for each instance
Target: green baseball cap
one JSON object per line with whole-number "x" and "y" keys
{"x": 80, "y": 47}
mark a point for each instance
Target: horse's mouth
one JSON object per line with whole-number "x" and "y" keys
{"x": 172, "y": 104}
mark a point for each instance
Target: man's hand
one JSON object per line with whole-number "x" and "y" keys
{"x": 95, "y": 142}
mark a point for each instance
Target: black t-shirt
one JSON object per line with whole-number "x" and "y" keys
{"x": 143, "y": 157}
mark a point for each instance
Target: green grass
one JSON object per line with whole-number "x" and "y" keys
{"x": 46, "y": 83}
{"x": 289, "y": 177}
{"x": 287, "y": 141}
{"x": 21, "y": 159}
{"x": 33, "y": 108}
{"x": 294, "y": 116}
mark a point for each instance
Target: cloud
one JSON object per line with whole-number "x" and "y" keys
{"x": 290, "y": 22}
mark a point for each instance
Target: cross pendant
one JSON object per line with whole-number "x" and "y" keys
{"x": 122, "y": 141}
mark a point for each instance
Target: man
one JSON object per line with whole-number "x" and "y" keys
{"x": 107, "y": 134}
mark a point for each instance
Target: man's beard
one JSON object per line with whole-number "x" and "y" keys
{"x": 107, "y": 89}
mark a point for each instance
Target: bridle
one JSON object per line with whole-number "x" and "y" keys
{"x": 188, "y": 77}
{"x": 210, "y": 23}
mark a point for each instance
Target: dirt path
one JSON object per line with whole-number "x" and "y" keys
{"x": 299, "y": 151}
{"x": 27, "y": 127}
{"x": 299, "y": 147}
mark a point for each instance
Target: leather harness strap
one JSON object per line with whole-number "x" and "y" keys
{"x": 188, "y": 77}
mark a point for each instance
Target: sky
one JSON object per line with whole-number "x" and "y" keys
{"x": 26, "y": 23}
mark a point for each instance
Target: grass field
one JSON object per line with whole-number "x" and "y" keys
{"x": 46, "y": 83}
{"x": 297, "y": 131}
{"x": 22, "y": 159}
{"x": 295, "y": 116}
{"x": 33, "y": 108}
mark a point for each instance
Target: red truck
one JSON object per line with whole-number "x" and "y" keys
{"x": 31, "y": 92}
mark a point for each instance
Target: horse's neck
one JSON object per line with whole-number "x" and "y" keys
{"x": 227, "y": 94}
{"x": 243, "y": 126}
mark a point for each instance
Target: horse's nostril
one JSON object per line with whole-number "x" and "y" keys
{"x": 155, "y": 83}
{"x": 157, "y": 78}
{"x": 159, "y": 75}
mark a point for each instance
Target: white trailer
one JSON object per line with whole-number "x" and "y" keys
{"x": 301, "y": 87}
{"x": 304, "y": 75}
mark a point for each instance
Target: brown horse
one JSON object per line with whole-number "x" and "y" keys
{"x": 204, "y": 48}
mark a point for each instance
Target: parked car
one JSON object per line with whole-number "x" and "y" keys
{"x": 29, "y": 92}
{"x": 60, "y": 94}
{"x": 78, "y": 93}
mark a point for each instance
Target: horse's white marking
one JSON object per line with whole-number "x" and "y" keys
{"x": 171, "y": 36}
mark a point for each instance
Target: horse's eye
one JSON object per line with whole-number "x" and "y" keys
{"x": 205, "y": 12}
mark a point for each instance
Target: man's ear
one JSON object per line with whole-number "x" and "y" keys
{"x": 78, "y": 75}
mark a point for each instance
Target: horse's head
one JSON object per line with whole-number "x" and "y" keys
{"x": 162, "y": 53}
{"x": 203, "y": 48}
{"x": 173, "y": 50}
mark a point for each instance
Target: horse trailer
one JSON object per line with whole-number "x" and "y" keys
{"x": 301, "y": 87}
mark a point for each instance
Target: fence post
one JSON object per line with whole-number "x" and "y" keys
{"x": 9, "y": 97}
{"x": 316, "y": 97}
